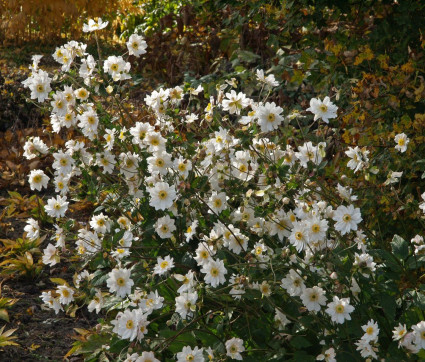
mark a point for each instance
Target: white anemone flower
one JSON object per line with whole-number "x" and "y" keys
{"x": 402, "y": 142}
{"x": 119, "y": 281}
{"x": 322, "y": 109}
{"x": 347, "y": 218}
{"x": 162, "y": 196}
{"x": 313, "y": 298}
{"x": 339, "y": 309}
{"x": 93, "y": 25}
{"x": 234, "y": 348}
{"x": 214, "y": 272}
{"x": 136, "y": 45}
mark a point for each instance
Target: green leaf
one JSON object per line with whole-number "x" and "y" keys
{"x": 303, "y": 356}
{"x": 400, "y": 247}
{"x": 177, "y": 341}
{"x": 415, "y": 262}
{"x": 389, "y": 259}
{"x": 419, "y": 299}
{"x": 300, "y": 342}
{"x": 247, "y": 56}
{"x": 388, "y": 304}
{"x": 421, "y": 354}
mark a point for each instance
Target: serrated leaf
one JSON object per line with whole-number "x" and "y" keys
{"x": 415, "y": 262}
{"x": 300, "y": 342}
{"x": 419, "y": 299}
{"x": 400, "y": 247}
{"x": 388, "y": 258}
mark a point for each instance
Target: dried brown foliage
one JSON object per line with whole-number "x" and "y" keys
{"x": 49, "y": 20}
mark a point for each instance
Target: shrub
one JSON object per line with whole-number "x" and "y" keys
{"x": 219, "y": 227}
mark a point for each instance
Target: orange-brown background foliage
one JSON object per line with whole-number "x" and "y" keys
{"x": 47, "y": 20}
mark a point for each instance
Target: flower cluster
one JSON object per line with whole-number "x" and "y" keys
{"x": 209, "y": 220}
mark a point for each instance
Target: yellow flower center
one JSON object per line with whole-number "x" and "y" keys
{"x": 339, "y": 309}
{"x": 315, "y": 228}
{"x": 258, "y": 250}
{"x": 162, "y": 195}
{"x": 298, "y": 235}
{"x": 323, "y": 108}
{"x": 369, "y": 330}
{"x": 129, "y": 324}
{"x": 271, "y": 117}
{"x": 164, "y": 264}
{"x": 121, "y": 282}
{"x": 114, "y": 67}
{"x": 282, "y": 225}
{"x": 217, "y": 203}
{"x": 214, "y": 272}
{"x": 236, "y": 104}
{"x": 401, "y": 142}
{"x": 37, "y": 179}
{"x": 346, "y": 218}
{"x": 154, "y": 142}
